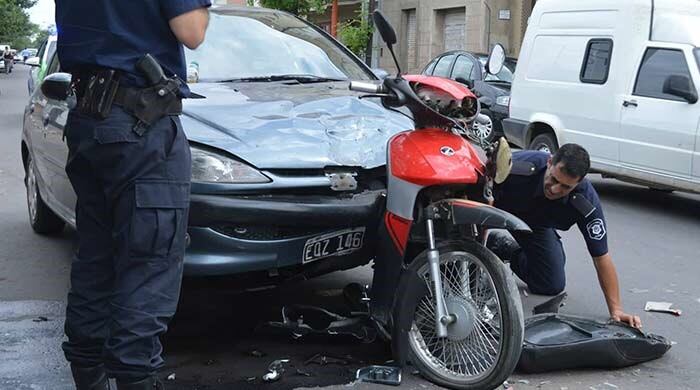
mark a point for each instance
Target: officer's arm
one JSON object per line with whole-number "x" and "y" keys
{"x": 607, "y": 277}
{"x": 190, "y": 27}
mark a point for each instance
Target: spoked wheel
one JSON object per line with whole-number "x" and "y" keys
{"x": 483, "y": 344}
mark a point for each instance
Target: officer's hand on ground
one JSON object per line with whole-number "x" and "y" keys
{"x": 630, "y": 319}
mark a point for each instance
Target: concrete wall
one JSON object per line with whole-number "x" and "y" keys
{"x": 482, "y": 24}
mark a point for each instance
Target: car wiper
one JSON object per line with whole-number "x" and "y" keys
{"x": 302, "y": 78}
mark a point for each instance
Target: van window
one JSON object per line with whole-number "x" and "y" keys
{"x": 442, "y": 68}
{"x": 596, "y": 63}
{"x": 464, "y": 68}
{"x": 656, "y": 66}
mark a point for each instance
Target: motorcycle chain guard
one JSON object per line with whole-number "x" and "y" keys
{"x": 557, "y": 342}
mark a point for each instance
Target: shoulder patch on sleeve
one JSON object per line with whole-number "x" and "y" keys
{"x": 596, "y": 229}
{"x": 523, "y": 168}
{"x": 582, "y": 205}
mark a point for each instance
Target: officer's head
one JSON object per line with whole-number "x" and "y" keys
{"x": 565, "y": 169}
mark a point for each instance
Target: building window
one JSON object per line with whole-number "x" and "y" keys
{"x": 656, "y": 66}
{"x": 596, "y": 63}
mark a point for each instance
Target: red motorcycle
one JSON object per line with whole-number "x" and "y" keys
{"x": 448, "y": 304}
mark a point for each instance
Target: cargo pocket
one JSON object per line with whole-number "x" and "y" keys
{"x": 159, "y": 219}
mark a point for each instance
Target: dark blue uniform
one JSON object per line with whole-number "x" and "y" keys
{"x": 132, "y": 190}
{"x": 540, "y": 260}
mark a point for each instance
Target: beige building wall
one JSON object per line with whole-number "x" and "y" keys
{"x": 482, "y": 28}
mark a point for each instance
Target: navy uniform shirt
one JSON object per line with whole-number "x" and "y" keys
{"x": 117, "y": 33}
{"x": 522, "y": 194}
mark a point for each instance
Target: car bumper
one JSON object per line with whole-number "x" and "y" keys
{"x": 499, "y": 114}
{"x": 240, "y": 234}
{"x": 516, "y": 131}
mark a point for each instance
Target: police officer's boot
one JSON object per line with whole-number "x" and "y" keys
{"x": 90, "y": 378}
{"x": 150, "y": 383}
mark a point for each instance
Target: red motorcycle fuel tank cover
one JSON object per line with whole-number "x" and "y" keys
{"x": 429, "y": 157}
{"x": 455, "y": 90}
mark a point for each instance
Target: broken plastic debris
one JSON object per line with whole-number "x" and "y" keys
{"x": 525, "y": 293}
{"x": 639, "y": 290}
{"x": 610, "y": 385}
{"x": 40, "y": 319}
{"x": 275, "y": 370}
{"x": 304, "y": 373}
{"x": 322, "y": 360}
{"x": 385, "y": 375}
{"x": 524, "y": 381}
{"x": 661, "y": 307}
{"x": 256, "y": 353}
{"x": 171, "y": 377}
{"x": 551, "y": 306}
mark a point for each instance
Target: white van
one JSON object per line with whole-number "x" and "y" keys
{"x": 619, "y": 77}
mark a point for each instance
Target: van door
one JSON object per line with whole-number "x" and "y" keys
{"x": 696, "y": 156}
{"x": 658, "y": 129}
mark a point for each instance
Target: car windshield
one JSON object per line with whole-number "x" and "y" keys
{"x": 269, "y": 46}
{"x": 506, "y": 74}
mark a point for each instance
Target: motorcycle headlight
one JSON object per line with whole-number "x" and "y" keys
{"x": 503, "y": 100}
{"x": 209, "y": 166}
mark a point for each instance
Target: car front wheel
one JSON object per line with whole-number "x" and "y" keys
{"x": 42, "y": 219}
{"x": 544, "y": 143}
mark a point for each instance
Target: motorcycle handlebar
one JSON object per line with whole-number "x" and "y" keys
{"x": 363, "y": 86}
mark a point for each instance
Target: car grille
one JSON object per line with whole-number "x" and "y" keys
{"x": 265, "y": 233}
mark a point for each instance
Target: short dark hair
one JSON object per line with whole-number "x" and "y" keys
{"x": 574, "y": 158}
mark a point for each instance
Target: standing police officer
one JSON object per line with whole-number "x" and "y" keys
{"x": 549, "y": 193}
{"x": 129, "y": 163}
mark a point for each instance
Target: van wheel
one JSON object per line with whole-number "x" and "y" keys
{"x": 544, "y": 143}
{"x": 42, "y": 219}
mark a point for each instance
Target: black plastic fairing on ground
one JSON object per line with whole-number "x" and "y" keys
{"x": 557, "y": 342}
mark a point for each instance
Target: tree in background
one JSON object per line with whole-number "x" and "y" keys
{"x": 15, "y": 27}
{"x": 40, "y": 37}
{"x": 356, "y": 33}
{"x": 301, "y": 8}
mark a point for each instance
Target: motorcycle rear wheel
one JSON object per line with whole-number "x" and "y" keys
{"x": 484, "y": 343}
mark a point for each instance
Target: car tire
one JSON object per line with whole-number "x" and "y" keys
{"x": 545, "y": 143}
{"x": 42, "y": 219}
{"x": 485, "y": 132}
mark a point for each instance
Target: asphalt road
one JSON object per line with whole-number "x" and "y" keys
{"x": 654, "y": 239}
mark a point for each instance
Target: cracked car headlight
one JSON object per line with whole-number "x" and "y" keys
{"x": 503, "y": 100}
{"x": 211, "y": 167}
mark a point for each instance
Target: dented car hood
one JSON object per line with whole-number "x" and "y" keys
{"x": 288, "y": 125}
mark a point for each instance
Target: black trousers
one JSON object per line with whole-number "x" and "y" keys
{"x": 540, "y": 261}
{"x": 131, "y": 215}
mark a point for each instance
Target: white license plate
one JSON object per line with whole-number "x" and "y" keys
{"x": 337, "y": 243}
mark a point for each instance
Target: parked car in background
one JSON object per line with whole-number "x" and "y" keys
{"x": 493, "y": 90}
{"x": 28, "y": 53}
{"x": 40, "y": 62}
{"x": 288, "y": 164}
{"x": 624, "y": 88}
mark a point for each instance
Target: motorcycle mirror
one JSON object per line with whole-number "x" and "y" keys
{"x": 388, "y": 34}
{"x": 504, "y": 161}
{"x": 496, "y": 59}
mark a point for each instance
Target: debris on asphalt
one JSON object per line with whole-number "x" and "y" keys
{"x": 507, "y": 386}
{"x": 304, "y": 373}
{"x": 256, "y": 353}
{"x": 171, "y": 377}
{"x": 636, "y": 372}
{"x": 210, "y": 362}
{"x": 544, "y": 383}
{"x": 40, "y": 319}
{"x": 609, "y": 385}
{"x": 661, "y": 307}
{"x": 525, "y": 293}
{"x": 302, "y": 320}
{"x": 639, "y": 290}
{"x": 250, "y": 379}
{"x": 275, "y": 370}
{"x": 323, "y": 360}
{"x": 552, "y": 305}
{"x": 385, "y": 375}
{"x": 524, "y": 381}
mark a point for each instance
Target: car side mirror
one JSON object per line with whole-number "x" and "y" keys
{"x": 34, "y": 61}
{"x": 681, "y": 86}
{"x": 57, "y": 86}
{"x": 468, "y": 83}
{"x": 496, "y": 59}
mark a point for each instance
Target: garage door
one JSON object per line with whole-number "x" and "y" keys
{"x": 411, "y": 39}
{"x": 455, "y": 30}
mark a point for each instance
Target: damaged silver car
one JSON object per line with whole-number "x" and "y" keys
{"x": 288, "y": 165}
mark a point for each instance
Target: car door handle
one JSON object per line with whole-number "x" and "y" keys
{"x": 630, "y": 103}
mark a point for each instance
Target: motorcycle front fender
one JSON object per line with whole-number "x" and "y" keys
{"x": 467, "y": 212}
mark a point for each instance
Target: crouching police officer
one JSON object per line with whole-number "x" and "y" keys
{"x": 549, "y": 193}
{"x": 129, "y": 164}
